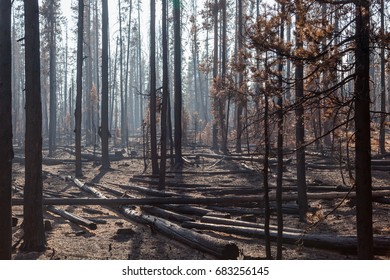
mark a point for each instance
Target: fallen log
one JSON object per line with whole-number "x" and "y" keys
{"x": 211, "y": 173}
{"x": 380, "y": 162}
{"x": 232, "y": 200}
{"x": 237, "y": 210}
{"x": 168, "y": 183}
{"x": 237, "y": 191}
{"x": 380, "y": 167}
{"x": 219, "y": 248}
{"x": 151, "y": 176}
{"x": 147, "y": 191}
{"x": 324, "y": 166}
{"x": 72, "y": 218}
{"x": 381, "y": 200}
{"x": 47, "y": 161}
{"x": 85, "y": 188}
{"x": 231, "y": 222}
{"x": 344, "y": 244}
{"x": 186, "y": 209}
{"x": 166, "y": 214}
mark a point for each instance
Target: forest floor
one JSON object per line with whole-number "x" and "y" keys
{"x": 208, "y": 177}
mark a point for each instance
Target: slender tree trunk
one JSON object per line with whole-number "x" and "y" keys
{"x": 88, "y": 75}
{"x": 382, "y": 134}
{"x": 153, "y": 108}
{"x": 123, "y": 115}
{"x": 178, "y": 85}
{"x": 104, "y": 126}
{"x": 165, "y": 90}
{"x": 127, "y": 125}
{"x": 34, "y": 234}
{"x": 6, "y": 150}
{"x": 300, "y": 122}
{"x": 363, "y": 134}
{"x": 79, "y": 85}
{"x": 280, "y": 140}
{"x": 267, "y": 212}
{"x": 66, "y": 87}
{"x": 97, "y": 118}
{"x": 215, "y": 76}
{"x": 240, "y": 79}
{"x": 222, "y": 100}
{"x": 53, "y": 80}
{"x": 140, "y": 74}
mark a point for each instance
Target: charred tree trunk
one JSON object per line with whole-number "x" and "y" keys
{"x": 165, "y": 92}
{"x": 104, "y": 120}
{"x": 6, "y": 151}
{"x": 53, "y": 80}
{"x": 79, "y": 85}
{"x": 223, "y": 116}
{"x": 178, "y": 87}
{"x": 240, "y": 79}
{"x": 267, "y": 211}
{"x": 34, "y": 233}
{"x": 363, "y": 134}
{"x": 153, "y": 106}
{"x": 300, "y": 122}
{"x": 280, "y": 140}
{"x": 382, "y": 134}
{"x": 215, "y": 75}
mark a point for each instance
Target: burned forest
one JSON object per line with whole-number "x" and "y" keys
{"x": 194, "y": 130}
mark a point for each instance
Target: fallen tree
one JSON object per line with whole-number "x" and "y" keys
{"x": 231, "y": 200}
{"x": 72, "y": 218}
{"x": 344, "y": 244}
{"x": 166, "y": 214}
{"x": 219, "y": 248}
{"x": 239, "y": 223}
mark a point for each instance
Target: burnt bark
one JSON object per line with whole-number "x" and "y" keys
{"x": 165, "y": 93}
{"x": 6, "y": 150}
{"x": 34, "y": 233}
{"x": 104, "y": 120}
{"x": 300, "y": 122}
{"x": 363, "y": 133}
{"x": 153, "y": 105}
{"x": 79, "y": 85}
{"x": 178, "y": 102}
